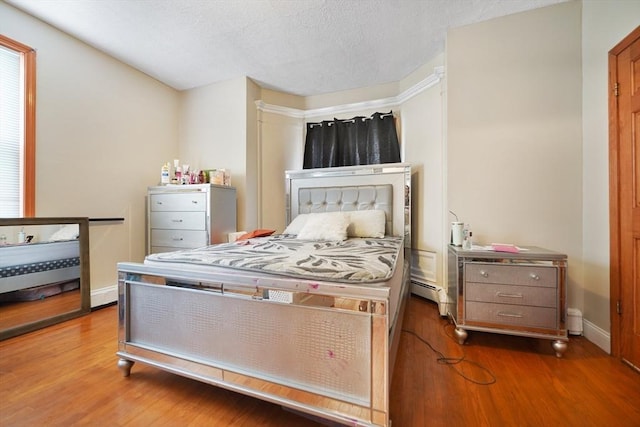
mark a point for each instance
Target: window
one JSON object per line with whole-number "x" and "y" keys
{"x": 17, "y": 129}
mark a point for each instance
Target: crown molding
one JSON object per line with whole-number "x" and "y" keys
{"x": 430, "y": 81}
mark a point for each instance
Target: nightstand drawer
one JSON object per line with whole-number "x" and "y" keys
{"x": 509, "y": 294}
{"x": 191, "y": 201}
{"x": 522, "y": 274}
{"x": 179, "y": 238}
{"x": 511, "y": 315}
{"x": 179, "y": 220}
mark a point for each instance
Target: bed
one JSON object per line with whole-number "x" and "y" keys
{"x": 249, "y": 317}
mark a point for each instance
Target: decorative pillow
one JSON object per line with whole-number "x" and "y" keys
{"x": 325, "y": 226}
{"x": 261, "y": 232}
{"x": 296, "y": 225}
{"x": 369, "y": 223}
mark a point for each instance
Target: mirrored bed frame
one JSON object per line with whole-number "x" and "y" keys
{"x": 327, "y": 349}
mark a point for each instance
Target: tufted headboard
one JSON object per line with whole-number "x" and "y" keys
{"x": 385, "y": 187}
{"x": 333, "y": 199}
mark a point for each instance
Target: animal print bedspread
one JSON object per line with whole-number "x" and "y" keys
{"x": 357, "y": 260}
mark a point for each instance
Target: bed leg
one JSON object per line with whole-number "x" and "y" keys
{"x": 125, "y": 366}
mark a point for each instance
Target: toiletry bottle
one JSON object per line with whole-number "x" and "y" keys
{"x": 466, "y": 238}
{"x": 21, "y": 236}
{"x": 164, "y": 174}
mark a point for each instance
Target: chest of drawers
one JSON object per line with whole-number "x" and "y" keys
{"x": 189, "y": 216}
{"x": 518, "y": 294}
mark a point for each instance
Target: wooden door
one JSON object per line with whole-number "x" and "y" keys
{"x": 624, "y": 160}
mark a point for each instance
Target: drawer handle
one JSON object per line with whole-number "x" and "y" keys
{"x": 158, "y": 202}
{"x": 518, "y": 316}
{"x": 177, "y": 239}
{"x": 506, "y": 295}
{"x": 195, "y": 202}
{"x": 534, "y": 276}
{"x": 484, "y": 273}
{"x": 176, "y": 220}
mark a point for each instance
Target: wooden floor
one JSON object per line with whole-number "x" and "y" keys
{"x": 66, "y": 375}
{"x": 14, "y": 314}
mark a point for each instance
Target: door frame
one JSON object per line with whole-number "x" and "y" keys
{"x": 615, "y": 290}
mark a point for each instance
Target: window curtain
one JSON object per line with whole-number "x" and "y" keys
{"x": 356, "y": 141}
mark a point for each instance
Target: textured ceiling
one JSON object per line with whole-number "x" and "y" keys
{"x": 303, "y": 47}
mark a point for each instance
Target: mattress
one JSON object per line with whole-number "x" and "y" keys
{"x": 28, "y": 265}
{"x": 355, "y": 260}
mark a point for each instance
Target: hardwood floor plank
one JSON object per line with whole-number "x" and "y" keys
{"x": 66, "y": 375}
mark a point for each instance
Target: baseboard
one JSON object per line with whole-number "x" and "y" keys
{"x": 102, "y": 296}
{"x": 597, "y": 335}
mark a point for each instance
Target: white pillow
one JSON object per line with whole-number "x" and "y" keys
{"x": 67, "y": 232}
{"x": 325, "y": 226}
{"x": 296, "y": 225}
{"x": 368, "y": 223}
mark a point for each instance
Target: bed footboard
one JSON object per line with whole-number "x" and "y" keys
{"x": 325, "y": 355}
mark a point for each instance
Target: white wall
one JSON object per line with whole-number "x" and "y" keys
{"x": 514, "y": 95}
{"x": 103, "y": 130}
{"x": 213, "y": 135}
{"x": 281, "y": 149}
{"x": 604, "y": 24}
{"x": 422, "y": 133}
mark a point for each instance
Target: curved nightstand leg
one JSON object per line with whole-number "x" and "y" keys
{"x": 125, "y": 366}
{"x": 560, "y": 347}
{"x": 461, "y": 335}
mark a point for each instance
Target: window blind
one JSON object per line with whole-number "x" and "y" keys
{"x": 11, "y": 133}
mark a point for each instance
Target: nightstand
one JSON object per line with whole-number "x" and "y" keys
{"x": 520, "y": 293}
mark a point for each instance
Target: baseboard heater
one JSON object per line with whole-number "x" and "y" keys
{"x": 431, "y": 292}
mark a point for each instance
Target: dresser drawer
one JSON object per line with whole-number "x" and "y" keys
{"x": 191, "y": 201}
{"x": 511, "y": 274}
{"x": 179, "y": 220}
{"x": 510, "y": 294}
{"x": 179, "y": 238}
{"x": 511, "y": 315}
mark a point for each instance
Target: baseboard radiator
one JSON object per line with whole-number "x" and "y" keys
{"x": 431, "y": 292}
{"x": 424, "y": 278}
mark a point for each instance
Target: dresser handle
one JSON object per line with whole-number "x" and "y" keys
{"x": 176, "y": 220}
{"x": 177, "y": 239}
{"x": 502, "y": 294}
{"x": 195, "y": 202}
{"x": 534, "y": 276}
{"x": 484, "y": 273}
{"x": 510, "y": 315}
{"x": 158, "y": 202}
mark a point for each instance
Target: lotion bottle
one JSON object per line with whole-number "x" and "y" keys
{"x": 165, "y": 177}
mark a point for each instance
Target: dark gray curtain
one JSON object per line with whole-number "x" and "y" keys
{"x": 356, "y": 141}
